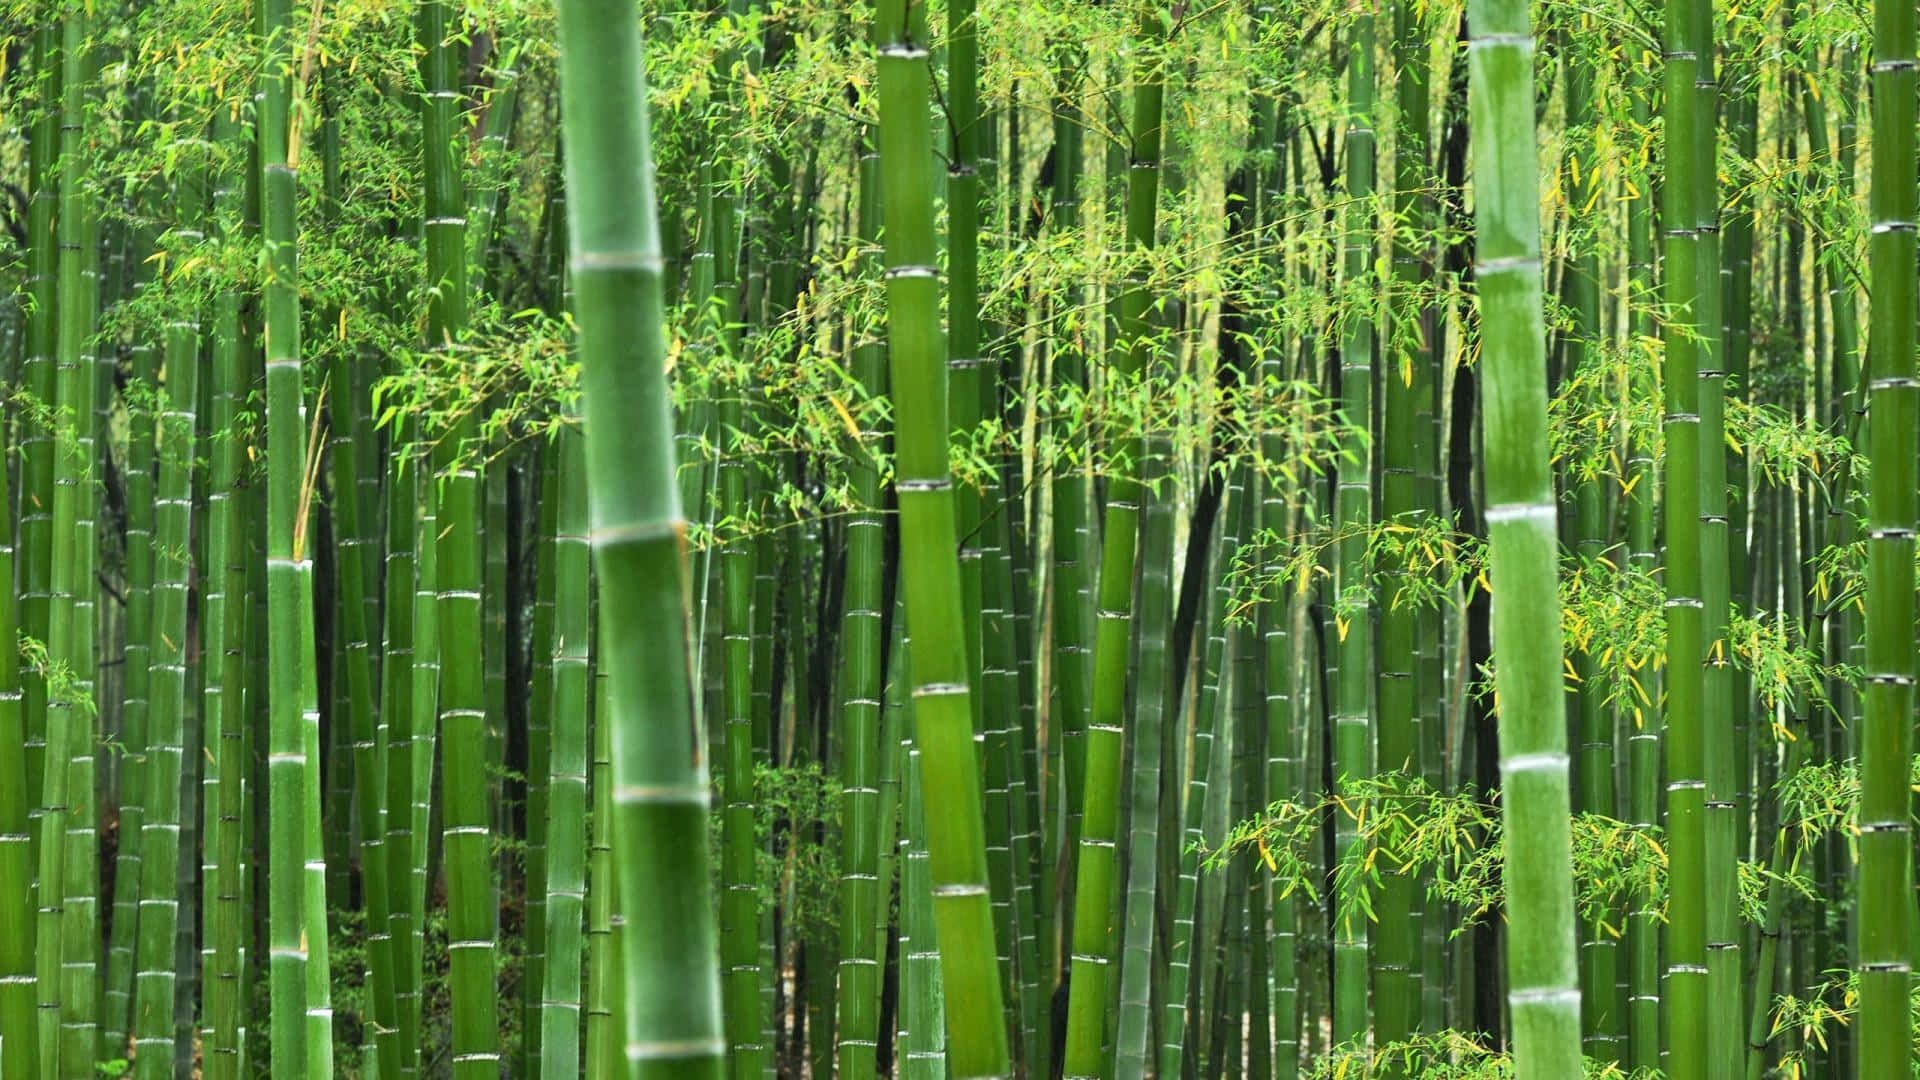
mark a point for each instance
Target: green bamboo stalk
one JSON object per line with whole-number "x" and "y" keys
{"x": 602, "y": 1033}
{"x": 488, "y": 194}
{"x": 424, "y": 736}
{"x": 466, "y": 815}
{"x": 1209, "y": 801}
{"x": 80, "y": 974}
{"x": 1643, "y": 767}
{"x": 671, "y": 989}
{"x": 862, "y": 892}
{"x": 1095, "y": 877}
{"x": 37, "y": 378}
{"x": 965, "y": 127}
{"x": 943, "y": 712}
{"x": 1760, "y": 1026}
{"x": 369, "y": 750}
{"x": 1353, "y": 751}
{"x": 1885, "y": 876}
{"x": 142, "y": 408}
{"x": 1523, "y": 548}
{"x": 160, "y": 836}
{"x": 739, "y": 904}
{"x": 65, "y": 1030}
{"x": 400, "y": 712}
{"x": 1286, "y": 750}
{"x": 1686, "y": 130}
{"x": 922, "y": 1038}
{"x": 142, "y": 405}
{"x": 1233, "y": 1037}
{"x": 1143, "y": 840}
{"x": 1396, "y": 967}
{"x": 1074, "y": 554}
{"x": 566, "y": 877}
{"x": 17, "y": 1046}
{"x": 1580, "y": 289}
{"x": 539, "y": 731}
{"x": 224, "y": 620}
{"x": 302, "y": 1017}
{"x": 1725, "y": 1015}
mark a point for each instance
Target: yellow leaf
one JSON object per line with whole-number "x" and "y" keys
{"x": 846, "y": 417}
{"x": 1341, "y": 625}
{"x": 1267, "y": 856}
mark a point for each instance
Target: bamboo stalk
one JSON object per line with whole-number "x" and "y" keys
{"x": 1885, "y": 878}
{"x": 930, "y": 575}
{"x": 1542, "y": 991}
{"x": 671, "y": 991}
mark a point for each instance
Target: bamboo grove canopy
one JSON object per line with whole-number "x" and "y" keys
{"x": 1106, "y": 539}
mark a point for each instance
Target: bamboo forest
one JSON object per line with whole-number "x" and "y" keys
{"x": 959, "y": 539}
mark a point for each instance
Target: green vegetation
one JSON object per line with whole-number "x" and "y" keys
{"x": 624, "y": 538}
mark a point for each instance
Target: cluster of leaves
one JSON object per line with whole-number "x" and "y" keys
{"x": 1823, "y": 799}
{"x": 1430, "y": 560}
{"x": 1452, "y": 843}
{"x": 62, "y": 685}
{"x": 800, "y": 806}
{"x": 1815, "y": 1016}
{"x": 1440, "y": 1055}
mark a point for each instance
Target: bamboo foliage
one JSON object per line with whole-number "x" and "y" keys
{"x": 653, "y": 450}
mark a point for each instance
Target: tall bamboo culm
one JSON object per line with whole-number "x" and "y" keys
{"x": 1542, "y": 969}
{"x": 1684, "y": 992}
{"x": 1353, "y": 749}
{"x": 1097, "y": 861}
{"x": 301, "y": 1016}
{"x": 670, "y": 1019}
{"x": 1885, "y": 924}
{"x": 167, "y": 686}
{"x": 930, "y": 574}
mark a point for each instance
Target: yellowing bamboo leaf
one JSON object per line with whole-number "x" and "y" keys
{"x": 846, "y": 417}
